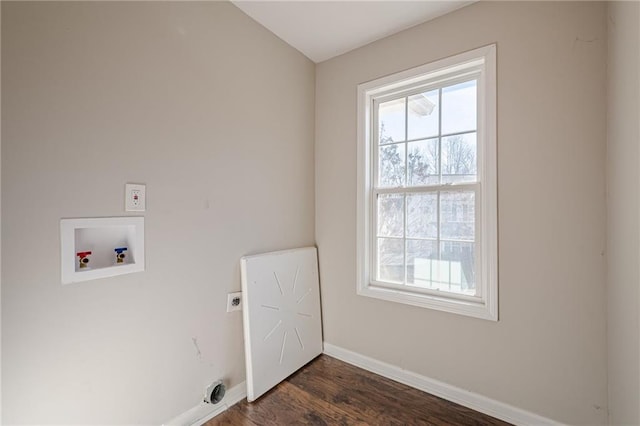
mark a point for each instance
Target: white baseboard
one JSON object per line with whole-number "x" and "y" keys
{"x": 443, "y": 390}
{"x": 203, "y": 412}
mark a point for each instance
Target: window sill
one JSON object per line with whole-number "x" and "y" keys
{"x": 480, "y": 309}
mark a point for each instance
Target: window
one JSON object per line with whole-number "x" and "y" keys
{"x": 427, "y": 187}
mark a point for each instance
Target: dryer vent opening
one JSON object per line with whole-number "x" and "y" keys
{"x": 215, "y": 392}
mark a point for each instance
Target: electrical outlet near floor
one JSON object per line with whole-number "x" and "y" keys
{"x": 234, "y": 301}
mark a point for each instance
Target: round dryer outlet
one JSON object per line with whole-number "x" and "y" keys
{"x": 215, "y": 392}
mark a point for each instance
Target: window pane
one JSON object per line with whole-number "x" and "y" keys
{"x": 422, "y": 159}
{"x": 391, "y": 215}
{"x": 391, "y": 165}
{"x": 459, "y": 158}
{"x": 421, "y": 258}
{"x": 457, "y": 268}
{"x": 390, "y": 260}
{"x": 391, "y": 118}
{"x": 422, "y": 215}
{"x": 459, "y": 107}
{"x": 423, "y": 115}
{"x": 457, "y": 215}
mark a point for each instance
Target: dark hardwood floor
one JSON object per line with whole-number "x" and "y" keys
{"x": 330, "y": 392}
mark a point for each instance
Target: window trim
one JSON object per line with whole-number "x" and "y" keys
{"x": 483, "y": 60}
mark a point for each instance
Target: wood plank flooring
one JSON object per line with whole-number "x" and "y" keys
{"x": 330, "y": 392}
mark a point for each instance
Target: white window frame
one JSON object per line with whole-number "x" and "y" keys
{"x": 480, "y": 62}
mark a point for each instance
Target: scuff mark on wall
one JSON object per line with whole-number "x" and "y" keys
{"x": 583, "y": 40}
{"x": 195, "y": 343}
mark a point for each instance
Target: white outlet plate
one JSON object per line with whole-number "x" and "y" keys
{"x": 234, "y": 301}
{"x": 135, "y": 197}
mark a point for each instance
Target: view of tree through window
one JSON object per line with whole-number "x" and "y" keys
{"x": 425, "y": 193}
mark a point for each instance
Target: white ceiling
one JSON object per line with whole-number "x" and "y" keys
{"x": 324, "y": 29}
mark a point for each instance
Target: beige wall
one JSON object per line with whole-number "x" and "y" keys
{"x": 210, "y": 110}
{"x": 623, "y": 212}
{"x": 547, "y": 354}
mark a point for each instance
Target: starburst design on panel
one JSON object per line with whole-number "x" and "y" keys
{"x": 289, "y": 306}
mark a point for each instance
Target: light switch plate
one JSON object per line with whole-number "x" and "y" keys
{"x": 135, "y": 199}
